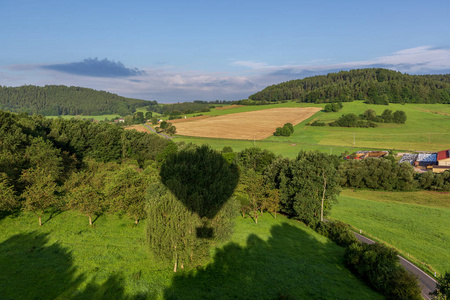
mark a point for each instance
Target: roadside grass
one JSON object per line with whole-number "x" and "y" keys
{"x": 415, "y": 223}
{"x": 67, "y": 259}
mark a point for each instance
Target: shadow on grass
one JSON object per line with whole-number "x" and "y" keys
{"x": 31, "y": 267}
{"x": 53, "y": 213}
{"x": 291, "y": 264}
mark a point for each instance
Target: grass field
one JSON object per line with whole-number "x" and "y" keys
{"x": 415, "y": 223}
{"x": 67, "y": 259}
{"x": 426, "y": 129}
{"x": 286, "y": 148}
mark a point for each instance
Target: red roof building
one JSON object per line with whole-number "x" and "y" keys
{"x": 443, "y": 158}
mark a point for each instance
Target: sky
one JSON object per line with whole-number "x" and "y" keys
{"x": 176, "y": 51}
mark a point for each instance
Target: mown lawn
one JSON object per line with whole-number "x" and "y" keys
{"x": 67, "y": 259}
{"x": 415, "y": 223}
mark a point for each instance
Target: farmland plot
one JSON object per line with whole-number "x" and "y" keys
{"x": 256, "y": 125}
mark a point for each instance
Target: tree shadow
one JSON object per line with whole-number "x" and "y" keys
{"x": 291, "y": 264}
{"x": 53, "y": 213}
{"x": 32, "y": 267}
{"x": 202, "y": 180}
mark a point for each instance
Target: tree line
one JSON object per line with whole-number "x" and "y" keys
{"x": 175, "y": 110}
{"x": 375, "y": 86}
{"x": 53, "y": 100}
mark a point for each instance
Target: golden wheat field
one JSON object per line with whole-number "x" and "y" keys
{"x": 256, "y": 125}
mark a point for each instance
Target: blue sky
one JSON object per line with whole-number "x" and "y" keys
{"x": 173, "y": 51}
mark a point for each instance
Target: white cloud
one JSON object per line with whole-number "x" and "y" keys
{"x": 170, "y": 84}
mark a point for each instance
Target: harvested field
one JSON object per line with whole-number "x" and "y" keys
{"x": 228, "y": 107}
{"x": 256, "y": 125}
{"x": 139, "y": 128}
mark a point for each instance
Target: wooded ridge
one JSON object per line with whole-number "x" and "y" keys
{"x": 55, "y": 100}
{"x": 376, "y": 86}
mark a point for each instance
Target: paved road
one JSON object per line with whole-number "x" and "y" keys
{"x": 427, "y": 283}
{"x": 161, "y": 134}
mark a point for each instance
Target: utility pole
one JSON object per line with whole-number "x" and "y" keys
{"x": 354, "y": 140}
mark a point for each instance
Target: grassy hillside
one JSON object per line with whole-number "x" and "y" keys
{"x": 427, "y": 129}
{"x": 416, "y": 223}
{"x": 67, "y": 259}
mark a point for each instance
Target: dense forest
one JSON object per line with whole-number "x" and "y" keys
{"x": 375, "y": 86}
{"x": 55, "y": 100}
{"x": 177, "y": 109}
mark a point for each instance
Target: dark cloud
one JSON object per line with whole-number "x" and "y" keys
{"x": 96, "y": 68}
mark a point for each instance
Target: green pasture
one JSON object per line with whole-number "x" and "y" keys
{"x": 284, "y": 148}
{"x": 427, "y": 129}
{"x": 415, "y": 223}
{"x": 67, "y": 259}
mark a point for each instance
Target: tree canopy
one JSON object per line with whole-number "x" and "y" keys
{"x": 376, "y": 86}
{"x": 56, "y": 100}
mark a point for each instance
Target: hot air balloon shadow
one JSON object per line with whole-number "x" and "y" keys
{"x": 202, "y": 180}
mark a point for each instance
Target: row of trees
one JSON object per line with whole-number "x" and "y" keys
{"x": 52, "y": 100}
{"x": 70, "y": 164}
{"x": 367, "y": 119}
{"x": 333, "y": 107}
{"x": 376, "y": 86}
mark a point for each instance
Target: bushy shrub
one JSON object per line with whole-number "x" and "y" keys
{"x": 337, "y": 231}
{"x": 443, "y": 287}
{"x": 286, "y": 130}
{"x": 380, "y": 266}
{"x": 317, "y": 123}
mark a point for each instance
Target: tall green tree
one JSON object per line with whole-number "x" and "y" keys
{"x": 308, "y": 185}
{"x": 8, "y": 198}
{"x": 171, "y": 230}
{"x": 126, "y": 190}
{"x": 40, "y": 192}
{"x": 84, "y": 195}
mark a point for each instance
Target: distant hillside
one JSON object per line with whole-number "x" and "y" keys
{"x": 376, "y": 86}
{"x": 52, "y": 100}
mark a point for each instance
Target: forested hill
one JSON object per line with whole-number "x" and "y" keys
{"x": 53, "y": 100}
{"x": 378, "y": 86}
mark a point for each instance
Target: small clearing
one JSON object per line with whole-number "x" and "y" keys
{"x": 254, "y": 125}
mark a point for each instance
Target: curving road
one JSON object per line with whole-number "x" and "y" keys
{"x": 427, "y": 283}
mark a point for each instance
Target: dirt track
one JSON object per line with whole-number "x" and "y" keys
{"x": 256, "y": 125}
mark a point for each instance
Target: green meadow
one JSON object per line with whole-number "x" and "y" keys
{"x": 426, "y": 129}
{"x": 415, "y": 223}
{"x": 67, "y": 259}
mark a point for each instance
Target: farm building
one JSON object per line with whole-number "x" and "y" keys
{"x": 421, "y": 159}
{"x": 425, "y": 159}
{"x": 408, "y": 157}
{"x": 443, "y": 158}
{"x": 443, "y": 161}
{"x": 367, "y": 154}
